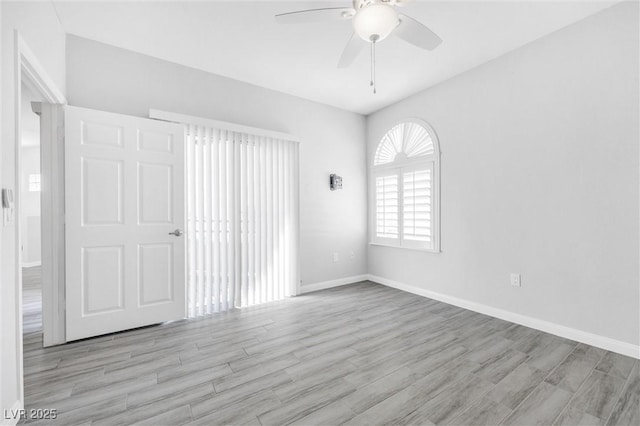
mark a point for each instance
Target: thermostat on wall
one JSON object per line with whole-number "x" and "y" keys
{"x": 335, "y": 182}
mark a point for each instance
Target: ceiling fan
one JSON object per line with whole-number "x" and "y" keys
{"x": 373, "y": 21}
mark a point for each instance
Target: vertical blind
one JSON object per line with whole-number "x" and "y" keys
{"x": 242, "y": 219}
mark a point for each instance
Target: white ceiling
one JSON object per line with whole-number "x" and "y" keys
{"x": 240, "y": 40}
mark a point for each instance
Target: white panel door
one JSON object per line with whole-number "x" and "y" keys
{"x": 124, "y": 185}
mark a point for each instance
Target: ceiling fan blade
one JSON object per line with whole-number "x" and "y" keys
{"x": 316, "y": 15}
{"x": 351, "y": 50}
{"x": 416, "y": 33}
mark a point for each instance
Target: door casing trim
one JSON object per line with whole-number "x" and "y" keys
{"x": 28, "y": 69}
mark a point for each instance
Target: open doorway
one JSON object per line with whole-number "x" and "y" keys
{"x": 30, "y": 213}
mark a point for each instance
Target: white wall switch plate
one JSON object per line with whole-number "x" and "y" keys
{"x": 336, "y": 256}
{"x": 516, "y": 280}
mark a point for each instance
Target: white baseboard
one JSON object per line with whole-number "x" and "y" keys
{"x": 31, "y": 264}
{"x": 12, "y": 416}
{"x": 308, "y": 288}
{"x": 603, "y": 342}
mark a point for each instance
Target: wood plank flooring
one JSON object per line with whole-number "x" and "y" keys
{"x": 362, "y": 354}
{"x": 31, "y": 299}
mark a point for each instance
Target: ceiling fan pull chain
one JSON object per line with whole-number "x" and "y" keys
{"x": 371, "y": 64}
{"x": 374, "y": 67}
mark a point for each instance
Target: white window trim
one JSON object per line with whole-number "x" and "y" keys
{"x": 399, "y": 167}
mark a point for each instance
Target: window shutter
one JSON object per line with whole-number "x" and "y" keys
{"x": 387, "y": 206}
{"x": 417, "y": 202}
{"x": 405, "y": 188}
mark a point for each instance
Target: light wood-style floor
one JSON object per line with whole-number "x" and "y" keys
{"x": 362, "y": 354}
{"x": 31, "y": 299}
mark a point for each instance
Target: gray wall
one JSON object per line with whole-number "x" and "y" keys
{"x": 112, "y": 79}
{"x": 540, "y": 177}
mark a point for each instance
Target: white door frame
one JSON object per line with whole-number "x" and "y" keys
{"x": 27, "y": 69}
{"x": 52, "y": 222}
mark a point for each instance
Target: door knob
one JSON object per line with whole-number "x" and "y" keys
{"x": 177, "y": 233}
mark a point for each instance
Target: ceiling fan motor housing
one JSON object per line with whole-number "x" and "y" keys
{"x": 359, "y": 4}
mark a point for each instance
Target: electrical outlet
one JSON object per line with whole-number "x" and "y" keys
{"x": 336, "y": 256}
{"x": 516, "y": 280}
{"x": 352, "y": 255}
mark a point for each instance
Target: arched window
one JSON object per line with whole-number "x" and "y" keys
{"x": 405, "y": 184}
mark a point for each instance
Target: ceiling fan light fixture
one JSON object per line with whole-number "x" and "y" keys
{"x": 375, "y": 22}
